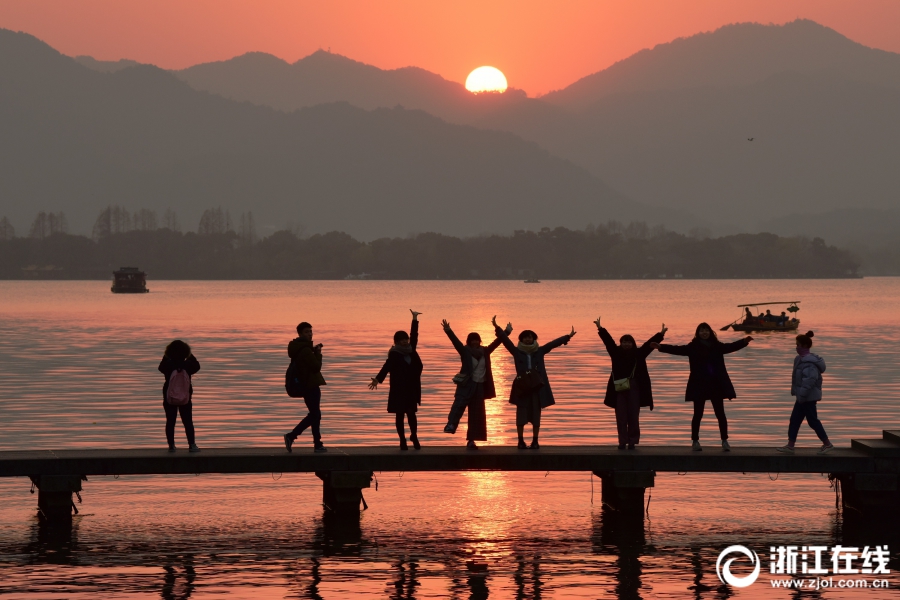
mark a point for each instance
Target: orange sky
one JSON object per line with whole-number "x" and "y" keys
{"x": 540, "y": 45}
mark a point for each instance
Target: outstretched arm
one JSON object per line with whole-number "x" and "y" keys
{"x": 380, "y": 377}
{"x": 561, "y": 341}
{"x": 503, "y": 336}
{"x": 607, "y": 339}
{"x": 414, "y": 329}
{"x": 651, "y": 344}
{"x": 493, "y": 345}
{"x": 670, "y": 349}
{"x": 735, "y": 346}
{"x": 453, "y": 339}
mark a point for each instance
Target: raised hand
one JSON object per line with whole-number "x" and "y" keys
{"x": 748, "y": 338}
{"x": 597, "y": 322}
{"x": 445, "y": 324}
{"x": 415, "y": 314}
{"x": 494, "y": 320}
{"x": 508, "y": 327}
{"x": 573, "y": 331}
{"x": 374, "y": 383}
{"x": 664, "y": 329}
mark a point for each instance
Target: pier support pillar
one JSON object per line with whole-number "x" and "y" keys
{"x": 870, "y": 496}
{"x": 342, "y": 490}
{"x": 55, "y": 495}
{"x": 624, "y": 490}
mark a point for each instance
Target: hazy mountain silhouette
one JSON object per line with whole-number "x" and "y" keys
{"x": 668, "y": 126}
{"x": 105, "y": 66}
{"x": 738, "y": 54}
{"x": 76, "y": 139}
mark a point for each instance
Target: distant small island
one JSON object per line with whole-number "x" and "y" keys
{"x": 611, "y": 251}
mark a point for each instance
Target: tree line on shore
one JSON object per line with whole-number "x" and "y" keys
{"x": 217, "y": 251}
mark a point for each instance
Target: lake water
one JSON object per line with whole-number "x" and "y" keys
{"x": 79, "y": 371}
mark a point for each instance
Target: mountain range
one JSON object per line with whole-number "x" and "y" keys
{"x": 745, "y": 128}
{"x": 77, "y": 139}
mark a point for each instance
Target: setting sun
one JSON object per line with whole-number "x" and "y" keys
{"x": 486, "y": 79}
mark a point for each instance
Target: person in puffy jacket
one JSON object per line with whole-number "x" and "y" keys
{"x": 178, "y": 357}
{"x": 806, "y": 386}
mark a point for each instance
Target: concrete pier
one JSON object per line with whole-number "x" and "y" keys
{"x": 868, "y": 470}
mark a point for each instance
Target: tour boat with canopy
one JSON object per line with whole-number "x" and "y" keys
{"x": 756, "y": 320}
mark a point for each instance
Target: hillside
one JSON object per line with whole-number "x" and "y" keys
{"x": 75, "y": 139}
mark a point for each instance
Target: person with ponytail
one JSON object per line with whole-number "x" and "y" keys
{"x": 530, "y": 390}
{"x": 708, "y": 379}
{"x": 628, "y": 362}
{"x": 405, "y": 368}
{"x": 806, "y": 386}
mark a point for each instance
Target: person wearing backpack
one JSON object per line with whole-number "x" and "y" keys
{"x": 629, "y": 383}
{"x": 178, "y": 365}
{"x": 304, "y": 380}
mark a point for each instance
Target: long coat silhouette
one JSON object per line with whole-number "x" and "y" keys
{"x": 622, "y": 365}
{"x": 406, "y": 377}
{"x": 709, "y": 379}
{"x": 536, "y": 365}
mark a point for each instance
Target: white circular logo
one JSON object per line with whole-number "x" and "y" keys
{"x": 724, "y": 571}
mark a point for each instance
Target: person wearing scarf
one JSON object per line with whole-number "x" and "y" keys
{"x": 528, "y": 356}
{"x": 708, "y": 379}
{"x": 405, "y": 368}
{"x": 806, "y": 385}
{"x": 629, "y": 361}
{"x": 477, "y": 387}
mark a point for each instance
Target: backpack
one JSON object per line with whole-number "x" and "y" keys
{"x": 179, "y": 392}
{"x": 292, "y": 382}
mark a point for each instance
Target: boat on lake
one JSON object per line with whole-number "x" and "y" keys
{"x": 532, "y": 281}
{"x": 755, "y": 320}
{"x": 129, "y": 280}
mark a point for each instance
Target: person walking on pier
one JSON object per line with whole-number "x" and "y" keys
{"x": 474, "y": 384}
{"x": 405, "y": 368}
{"x": 530, "y": 390}
{"x": 179, "y": 365}
{"x": 304, "y": 380}
{"x": 629, "y": 383}
{"x": 709, "y": 379}
{"x": 806, "y": 385}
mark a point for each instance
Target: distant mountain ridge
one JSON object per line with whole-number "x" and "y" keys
{"x": 76, "y": 139}
{"x": 735, "y": 55}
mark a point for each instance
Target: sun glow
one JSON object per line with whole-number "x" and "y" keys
{"x": 486, "y": 79}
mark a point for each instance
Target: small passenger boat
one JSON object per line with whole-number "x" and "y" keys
{"x": 756, "y": 320}
{"x": 532, "y": 281}
{"x": 129, "y": 280}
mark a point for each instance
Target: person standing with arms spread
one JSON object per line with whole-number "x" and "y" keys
{"x": 806, "y": 385}
{"x": 629, "y": 383}
{"x": 530, "y": 391}
{"x": 304, "y": 380}
{"x": 179, "y": 365}
{"x": 708, "y": 379}
{"x": 475, "y": 385}
{"x": 405, "y": 368}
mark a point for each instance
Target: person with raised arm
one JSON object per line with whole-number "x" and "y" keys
{"x": 629, "y": 383}
{"x": 530, "y": 390}
{"x": 709, "y": 379}
{"x": 304, "y": 380}
{"x": 405, "y": 368}
{"x": 474, "y": 384}
{"x": 806, "y": 386}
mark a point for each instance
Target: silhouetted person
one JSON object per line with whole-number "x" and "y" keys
{"x": 304, "y": 380}
{"x": 405, "y": 368}
{"x": 782, "y": 319}
{"x": 178, "y": 365}
{"x": 629, "y": 362}
{"x": 530, "y": 390}
{"x": 708, "y": 379}
{"x": 806, "y": 385}
{"x": 476, "y": 385}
